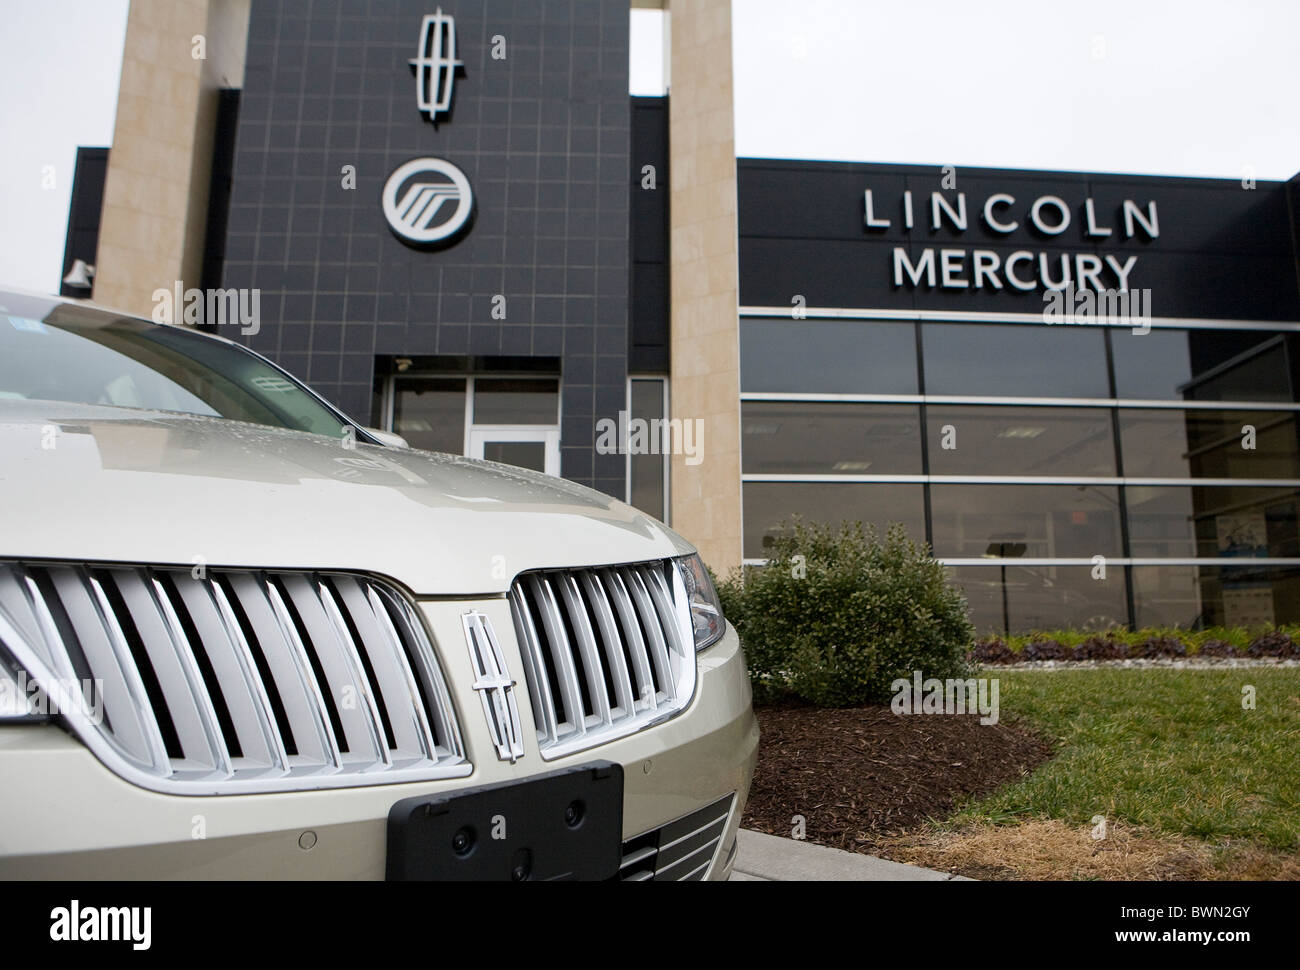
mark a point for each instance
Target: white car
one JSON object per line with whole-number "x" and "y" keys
{"x": 240, "y": 637}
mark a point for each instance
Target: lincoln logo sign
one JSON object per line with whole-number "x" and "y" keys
{"x": 954, "y": 268}
{"x": 427, "y": 201}
{"x": 435, "y": 64}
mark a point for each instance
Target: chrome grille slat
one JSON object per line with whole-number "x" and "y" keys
{"x": 209, "y": 680}
{"x": 623, "y": 632}
{"x": 560, "y": 654}
{"x": 55, "y": 648}
{"x": 539, "y": 685}
{"x": 615, "y": 661}
{"x": 252, "y": 677}
{"x": 587, "y": 649}
{"x": 439, "y": 715}
{"x": 395, "y": 683}
{"x": 155, "y": 754}
{"x": 347, "y": 693}
{"x": 636, "y": 642}
{"x": 291, "y": 674}
{"x": 360, "y": 679}
{"x": 201, "y": 718}
{"x": 655, "y": 638}
{"x": 298, "y": 653}
{"x": 237, "y": 690}
{"x": 83, "y": 611}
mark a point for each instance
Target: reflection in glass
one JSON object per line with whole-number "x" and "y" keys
{"x": 782, "y": 437}
{"x": 523, "y": 454}
{"x": 1212, "y": 521}
{"x": 828, "y": 356}
{"x": 1020, "y": 441}
{"x": 1161, "y": 443}
{"x": 1052, "y": 521}
{"x": 1257, "y": 373}
{"x": 1151, "y": 366}
{"x": 1240, "y": 521}
{"x": 646, "y": 491}
{"x": 516, "y": 400}
{"x": 1025, "y": 360}
{"x": 769, "y": 504}
{"x": 429, "y": 412}
{"x": 1167, "y": 596}
{"x": 1250, "y": 596}
{"x": 1042, "y": 597}
{"x": 1160, "y": 521}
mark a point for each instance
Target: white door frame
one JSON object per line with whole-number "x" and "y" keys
{"x": 480, "y": 434}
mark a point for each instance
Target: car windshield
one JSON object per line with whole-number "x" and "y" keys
{"x": 67, "y": 352}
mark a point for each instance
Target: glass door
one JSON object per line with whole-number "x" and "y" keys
{"x": 524, "y": 446}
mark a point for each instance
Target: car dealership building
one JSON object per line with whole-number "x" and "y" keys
{"x": 1080, "y": 389}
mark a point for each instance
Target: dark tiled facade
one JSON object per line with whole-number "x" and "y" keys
{"x": 543, "y": 136}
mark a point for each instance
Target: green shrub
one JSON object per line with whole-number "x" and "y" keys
{"x": 837, "y": 614}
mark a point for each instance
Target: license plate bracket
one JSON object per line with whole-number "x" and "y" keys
{"x": 566, "y": 824}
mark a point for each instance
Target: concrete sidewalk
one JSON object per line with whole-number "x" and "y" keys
{"x": 769, "y": 858}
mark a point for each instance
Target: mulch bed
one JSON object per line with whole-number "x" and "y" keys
{"x": 859, "y": 774}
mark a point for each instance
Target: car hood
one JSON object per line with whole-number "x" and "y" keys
{"x": 92, "y": 483}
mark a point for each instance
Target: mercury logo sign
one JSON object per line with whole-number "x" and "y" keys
{"x": 435, "y": 64}
{"x": 427, "y": 201}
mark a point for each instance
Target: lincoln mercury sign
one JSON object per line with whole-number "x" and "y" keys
{"x": 953, "y": 268}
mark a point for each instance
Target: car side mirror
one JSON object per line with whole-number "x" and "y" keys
{"x": 389, "y": 438}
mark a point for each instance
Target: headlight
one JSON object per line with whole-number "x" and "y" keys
{"x": 706, "y": 612}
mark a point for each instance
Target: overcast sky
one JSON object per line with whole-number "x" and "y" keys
{"x": 1197, "y": 87}
{"x": 60, "y": 63}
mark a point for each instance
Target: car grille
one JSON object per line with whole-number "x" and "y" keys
{"x": 227, "y": 680}
{"x": 606, "y": 651}
{"x": 680, "y": 851}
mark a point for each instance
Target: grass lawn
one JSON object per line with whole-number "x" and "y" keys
{"x": 1171, "y": 751}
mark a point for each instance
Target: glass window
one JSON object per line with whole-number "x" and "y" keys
{"x": 1212, "y": 521}
{"x": 1190, "y": 365}
{"x": 1051, "y": 521}
{"x": 646, "y": 485}
{"x": 524, "y": 454}
{"x": 1162, "y": 443}
{"x": 1258, "y": 373}
{"x": 1151, "y": 366}
{"x": 770, "y": 504}
{"x": 429, "y": 412}
{"x": 1042, "y": 597}
{"x": 1250, "y": 596}
{"x": 1160, "y": 521}
{"x": 516, "y": 400}
{"x": 1193, "y": 597}
{"x": 828, "y": 356}
{"x": 975, "y": 440}
{"x": 805, "y": 438}
{"x": 1024, "y": 360}
{"x": 1168, "y": 596}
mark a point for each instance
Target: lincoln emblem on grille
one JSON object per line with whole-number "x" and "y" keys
{"x": 436, "y": 63}
{"x": 495, "y": 686}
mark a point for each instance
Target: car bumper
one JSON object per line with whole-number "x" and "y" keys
{"x": 65, "y": 815}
